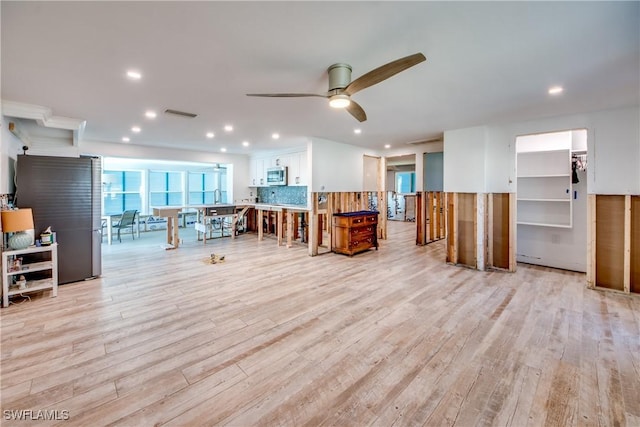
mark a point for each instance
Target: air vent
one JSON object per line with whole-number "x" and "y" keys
{"x": 424, "y": 141}
{"x": 180, "y": 113}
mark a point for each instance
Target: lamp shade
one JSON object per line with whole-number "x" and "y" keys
{"x": 17, "y": 220}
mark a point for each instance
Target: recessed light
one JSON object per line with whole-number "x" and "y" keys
{"x": 135, "y": 129}
{"x": 245, "y": 143}
{"x": 357, "y": 131}
{"x": 275, "y": 135}
{"x": 134, "y": 75}
{"x": 387, "y": 145}
{"x": 555, "y": 90}
{"x": 210, "y": 135}
{"x": 125, "y": 139}
{"x": 224, "y": 150}
{"x": 150, "y": 114}
{"x": 228, "y": 128}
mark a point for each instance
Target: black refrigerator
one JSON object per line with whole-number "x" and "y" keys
{"x": 65, "y": 193}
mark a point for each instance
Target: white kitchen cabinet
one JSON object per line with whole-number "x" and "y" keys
{"x": 298, "y": 169}
{"x": 258, "y": 172}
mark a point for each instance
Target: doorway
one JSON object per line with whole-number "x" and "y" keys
{"x": 551, "y": 194}
{"x": 401, "y": 188}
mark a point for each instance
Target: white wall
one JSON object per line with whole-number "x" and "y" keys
{"x": 464, "y": 160}
{"x": 10, "y": 147}
{"x": 336, "y": 167}
{"x": 615, "y": 153}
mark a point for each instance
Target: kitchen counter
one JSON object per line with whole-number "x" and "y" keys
{"x": 281, "y": 210}
{"x": 276, "y": 207}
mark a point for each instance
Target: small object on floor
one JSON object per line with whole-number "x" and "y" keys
{"x": 216, "y": 258}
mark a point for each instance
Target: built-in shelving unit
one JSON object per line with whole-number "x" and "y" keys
{"x": 544, "y": 188}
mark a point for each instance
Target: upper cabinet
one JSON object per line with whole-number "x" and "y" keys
{"x": 258, "y": 172}
{"x": 296, "y": 164}
{"x": 298, "y": 168}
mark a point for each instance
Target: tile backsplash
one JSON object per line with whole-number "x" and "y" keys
{"x": 290, "y": 195}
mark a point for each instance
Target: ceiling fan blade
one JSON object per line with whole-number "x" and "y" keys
{"x": 286, "y": 95}
{"x": 356, "y": 111}
{"x": 384, "y": 72}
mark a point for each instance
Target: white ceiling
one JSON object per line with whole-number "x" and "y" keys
{"x": 487, "y": 62}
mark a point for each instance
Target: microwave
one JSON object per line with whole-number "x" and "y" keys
{"x": 277, "y": 175}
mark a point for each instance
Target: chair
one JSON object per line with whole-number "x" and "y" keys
{"x": 127, "y": 220}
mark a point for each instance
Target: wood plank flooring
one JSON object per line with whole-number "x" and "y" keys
{"x": 271, "y": 336}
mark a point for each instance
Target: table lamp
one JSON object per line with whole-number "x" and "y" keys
{"x": 17, "y": 222}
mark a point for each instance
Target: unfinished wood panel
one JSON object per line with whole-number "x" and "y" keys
{"x": 591, "y": 240}
{"x": 627, "y": 244}
{"x": 430, "y": 223}
{"x": 513, "y": 230}
{"x": 610, "y": 242}
{"x": 466, "y": 241}
{"x": 635, "y": 245}
{"x": 430, "y": 217}
{"x": 420, "y": 219}
{"x": 452, "y": 228}
{"x": 500, "y": 230}
{"x": 438, "y": 214}
{"x": 382, "y": 219}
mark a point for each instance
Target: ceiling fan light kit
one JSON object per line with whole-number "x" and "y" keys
{"x": 339, "y": 101}
{"x": 341, "y": 87}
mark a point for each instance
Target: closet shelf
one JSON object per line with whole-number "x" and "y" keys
{"x": 542, "y": 224}
{"x": 559, "y": 175}
{"x": 542, "y": 200}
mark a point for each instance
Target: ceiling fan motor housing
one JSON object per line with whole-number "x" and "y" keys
{"x": 339, "y": 76}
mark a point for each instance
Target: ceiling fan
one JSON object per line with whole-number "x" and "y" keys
{"x": 341, "y": 87}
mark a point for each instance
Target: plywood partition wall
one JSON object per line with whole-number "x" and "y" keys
{"x": 501, "y": 231}
{"x": 326, "y": 204}
{"x": 614, "y": 243}
{"x": 430, "y": 217}
{"x": 452, "y": 228}
{"x": 462, "y": 229}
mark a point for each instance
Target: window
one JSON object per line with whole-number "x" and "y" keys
{"x": 165, "y": 189}
{"x": 201, "y": 188}
{"x": 121, "y": 190}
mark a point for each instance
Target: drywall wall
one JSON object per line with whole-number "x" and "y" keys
{"x": 371, "y": 171}
{"x": 10, "y": 147}
{"x": 464, "y": 165}
{"x": 614, "y": 155}
{"x": 336, "y": 167}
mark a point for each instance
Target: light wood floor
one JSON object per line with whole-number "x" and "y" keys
{"x": 275, "y": 337}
